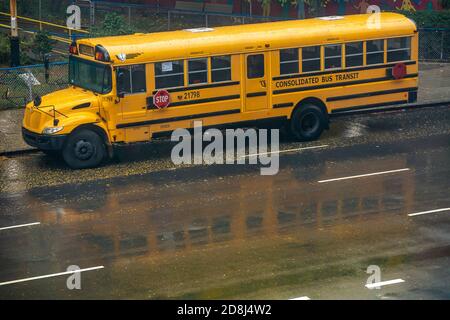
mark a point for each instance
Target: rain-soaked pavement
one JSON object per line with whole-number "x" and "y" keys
{"x": 225, "y": 231}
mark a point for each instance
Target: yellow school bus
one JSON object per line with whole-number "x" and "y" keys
{"x": 127, "y": 89}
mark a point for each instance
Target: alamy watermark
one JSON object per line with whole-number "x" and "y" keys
{"x": 227, "y": 147}
{"x": 375, "y": 276}
{"x": 74, "y": 280}
{"x": 374, "y": 20}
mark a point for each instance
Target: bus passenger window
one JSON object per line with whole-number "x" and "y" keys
{"x": 169, "y": 74}
{"x": 398, "y": 49}
{"x": 288, "y": 61}
{"x": 198, "y": 71}
{"x": 353, "y": 54}
{"x": 311, "y": 59}
{"x": 220, "y": 68}
{"x": 138, "y": 78}
{"x": 255, "y": 66}
{"x": 131, "y": 79}
{"x": 375, "y": 51}
{"x": 333, "y": 56}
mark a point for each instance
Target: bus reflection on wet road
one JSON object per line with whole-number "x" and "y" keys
{"x": 227, "y": 232}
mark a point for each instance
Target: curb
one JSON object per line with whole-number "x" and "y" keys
{"x": 401, "y": 107}
{"x": 17, "y": 152}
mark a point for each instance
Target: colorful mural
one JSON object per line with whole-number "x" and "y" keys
{"x": 302, "y": 8}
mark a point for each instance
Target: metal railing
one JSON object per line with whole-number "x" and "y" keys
{"x": 33, "y": 25}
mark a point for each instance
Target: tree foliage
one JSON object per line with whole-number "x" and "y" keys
{"x": 430, "y": 19}
{"x": 5, "y": 53}
{"x": 42, "y": 44}
{"x": 112, "y": 25}
{"x": 445, "y": 4}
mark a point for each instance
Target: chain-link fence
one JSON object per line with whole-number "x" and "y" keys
{"x": 20, "y": 85}
{"x": 148, "y": 18}
{"x": 47, "y": 10}
{"x": 434, "y": 44}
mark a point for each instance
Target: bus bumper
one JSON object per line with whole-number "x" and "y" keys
{"x": 43, "y": 141}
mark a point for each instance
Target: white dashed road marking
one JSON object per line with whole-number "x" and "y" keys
{"x": 426, "y": 212}
{"x": 364, "y": 175}
{"x": 20, "y": 225}
{"x": 301, "y": 298}
{"x": 49, "y": 275}
{"x": 383, "y": 283}
{"x": 283, "y": 151}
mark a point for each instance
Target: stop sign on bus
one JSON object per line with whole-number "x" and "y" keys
{"x": 161, "y": 99}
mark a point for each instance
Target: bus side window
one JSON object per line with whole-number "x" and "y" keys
{"x": 311, "y": 59}
{"x": 255, "y": 66}
{"x": 198, "y": 71}
{"x": 131, "y": 79}
{"x": 398, "y": 49}
{"x": 354, "y": 54}
{"x": 220, "y": 68}
{"x": 169, "y": 74}
{"x": 333, "y": 56}
{"x": 375, "y": 51}
{"x": 288, "y": 61}
{"x": 123, "y": 80}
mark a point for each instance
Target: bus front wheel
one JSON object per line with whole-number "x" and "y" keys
{"x": 84, "y": 149}
{"x": 307, "y": 122}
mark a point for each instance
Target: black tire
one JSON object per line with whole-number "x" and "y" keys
{"x": 308, "y": 122}
{"x": 84, "y": 149}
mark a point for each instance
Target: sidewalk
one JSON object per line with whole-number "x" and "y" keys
{"x": 434, "y": 85}
{"x": 434, "y": 82}
{"x": 11, "y": 131}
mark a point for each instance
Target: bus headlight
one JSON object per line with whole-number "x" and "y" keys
{"x": 52, "y": 130}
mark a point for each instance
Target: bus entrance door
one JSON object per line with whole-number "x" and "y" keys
{"x": 256, "y": 82}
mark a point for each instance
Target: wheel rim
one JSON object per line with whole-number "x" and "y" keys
{"x": 84, "y": 150}
{"x": 309, "y": 123}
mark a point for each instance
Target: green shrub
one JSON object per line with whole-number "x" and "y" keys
{"x": 430, "y": 19}
{"x": 112, "y": 25}
{"x": 26, "y": 46}
{"x": 4, "y": 49}
{"x": 42, "y": 44}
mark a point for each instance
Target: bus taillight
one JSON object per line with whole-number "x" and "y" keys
{"x": 73, "y": 48}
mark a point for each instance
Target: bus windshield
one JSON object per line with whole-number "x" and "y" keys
{"x": 89, "y": 75}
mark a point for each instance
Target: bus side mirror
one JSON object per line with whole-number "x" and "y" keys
{"x": 37, "y": 101}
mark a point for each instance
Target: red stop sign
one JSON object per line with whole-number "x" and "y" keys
{"x": 161, "y": 99}
{"x": 399, "y": 71}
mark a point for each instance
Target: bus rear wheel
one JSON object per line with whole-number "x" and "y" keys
{"x": 307, "y": 122}
{"x": 84, "y": 149}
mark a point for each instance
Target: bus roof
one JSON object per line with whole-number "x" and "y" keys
{"x": 191, "y": 43}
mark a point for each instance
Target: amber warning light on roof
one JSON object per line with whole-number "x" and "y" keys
{"x": 101, "y": 54}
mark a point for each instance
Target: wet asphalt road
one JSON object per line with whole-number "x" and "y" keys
{"x": 225, "y": 231}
